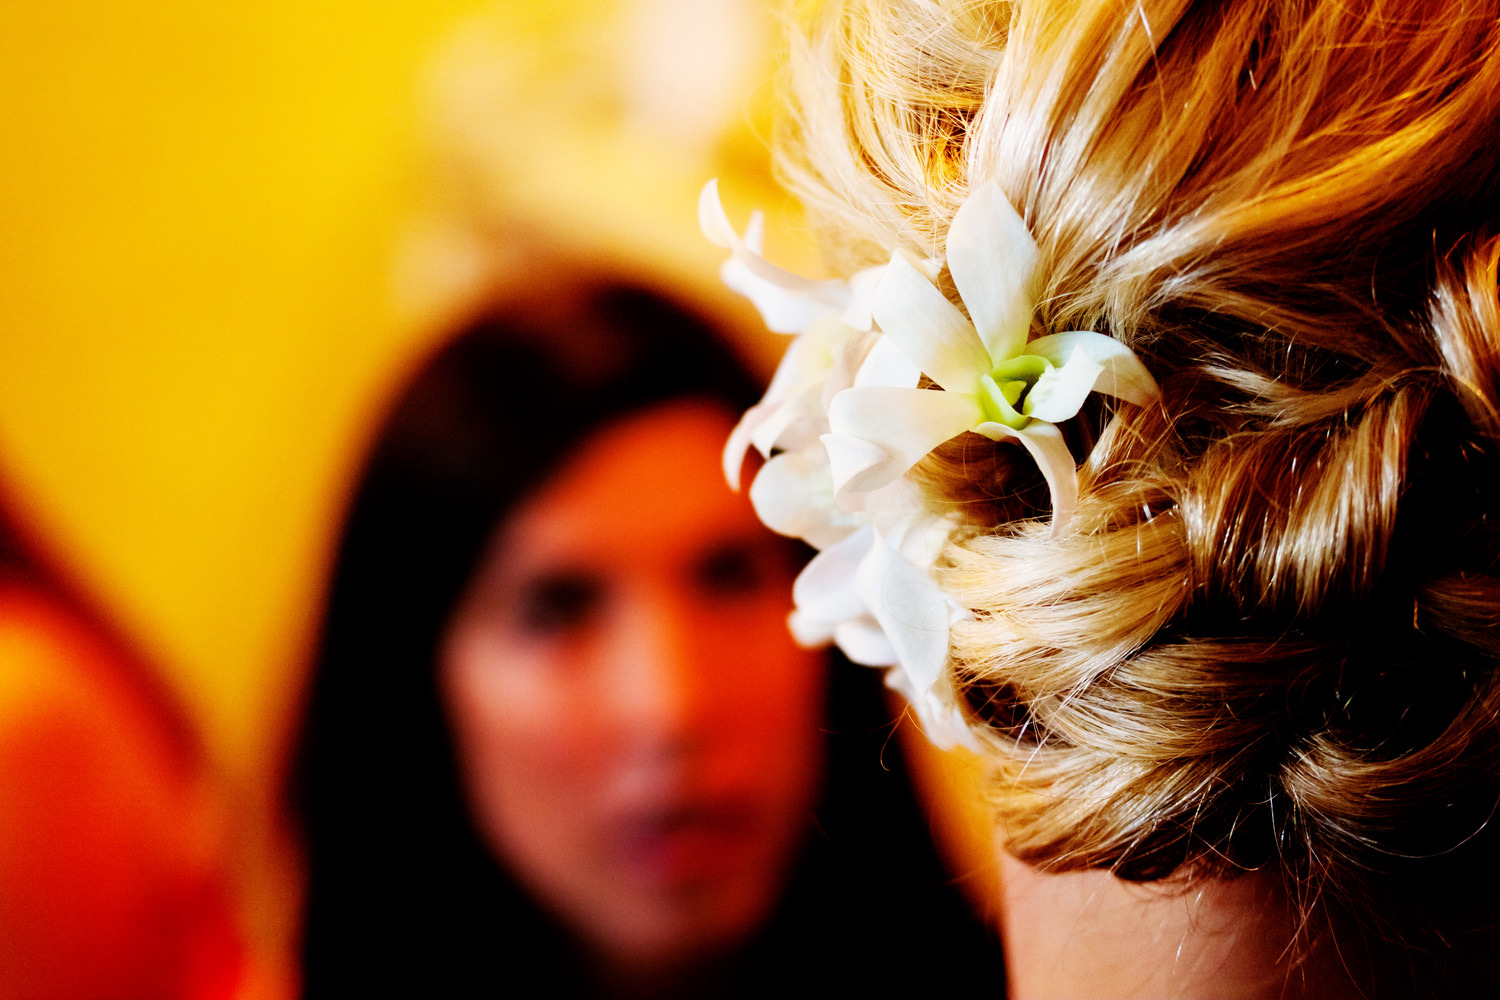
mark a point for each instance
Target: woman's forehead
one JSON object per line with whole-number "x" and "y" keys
{"x": 649, "y": 487}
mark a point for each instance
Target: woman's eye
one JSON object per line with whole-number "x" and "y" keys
{"x": 733, "y": 570}
{"x": 557, "y": 603}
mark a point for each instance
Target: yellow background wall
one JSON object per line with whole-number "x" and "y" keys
{"x": 199, "y": 203}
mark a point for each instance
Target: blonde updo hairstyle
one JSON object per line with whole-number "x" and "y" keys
{"x": 1269, "y": 637}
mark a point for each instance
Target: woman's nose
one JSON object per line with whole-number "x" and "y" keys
{"x": 658, "y": 676}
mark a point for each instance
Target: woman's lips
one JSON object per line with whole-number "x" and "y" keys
{"x": 682, "y": 847}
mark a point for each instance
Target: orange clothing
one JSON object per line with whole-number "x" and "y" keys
{"x": 110, "y": 885}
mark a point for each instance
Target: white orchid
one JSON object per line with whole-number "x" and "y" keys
{"x": 870, "y": 588}
{"x": 793, "y": 414}
{"x": 896, "y": 581}
{"x": 995, "y": 380}
{"x": 793, "y": 495}
{"x": 788, "y": 302}
{"x": 845, "y": 418}
{"x": 832, "y": 322}
{"x": 873, "y": 593}
{"x": 936, "y": 708}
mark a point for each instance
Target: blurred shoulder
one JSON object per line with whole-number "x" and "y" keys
{"x": 110, "y": 841}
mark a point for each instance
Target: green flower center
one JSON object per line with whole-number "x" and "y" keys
{"x": 1002, "y": 393}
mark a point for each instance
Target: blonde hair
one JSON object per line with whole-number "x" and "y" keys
{"x": 1269, "y": 638}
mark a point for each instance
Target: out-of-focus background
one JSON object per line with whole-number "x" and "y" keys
{"x": 225, "y": 229}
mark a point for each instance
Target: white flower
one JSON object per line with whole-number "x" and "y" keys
{"x": 995, "y": 381}
{"x": 793, "y": 495}
{"x": 832, "y": 319}
{"x": 829, "y": 609}
{"x": 793, "y": 414}
{"x": 870, "y": 588}
{"x": 896, "y": 583}
{"x": 787, "y": 302}
{"x": 844, "y": 419}
{"x": 873, "y": 594}
{"x": 937, "y": 709}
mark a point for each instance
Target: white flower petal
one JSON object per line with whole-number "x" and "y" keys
{"x": 786, "y": 301}
{"x": 712, "y": 218}
{"x": 782, "y": 495}
{"x": 783, "y": 310}
{"x": 992, "y": 258}
{"x": 905, "y": 424}
{"x": 861, "y": 293}
{"x": 863, "y": 642}
{"x": 739, "y": 444}
{"x": 927, "y": 328}
{"x": 891, "y": 506}
{"x": 847, "y": 358}
{"x": 798, "y": 363}
{"x": 1046, "y": 444}
{"x": 793, "y": 412}
{"x": 809, "y": 632}
{"x": 912, "y": 610}
{"x": 937, "y": 711}
{"x": 855, "y": 461}
{"x": 824, "y": 591}
{"x": 920, "y": 535}
{"x": 886, "y": 365}
{"x": 768, "y": 425}
{"x": 793, "y": 495}
{"x": 1123, "y": 374}
{"x": 1059, "y": 393}
{"x": 792, "y": 422}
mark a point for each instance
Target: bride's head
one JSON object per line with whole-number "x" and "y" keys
{"x": 1264, "y": 638}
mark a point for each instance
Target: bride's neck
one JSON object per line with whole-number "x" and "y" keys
{"x": 1089, "y": 934}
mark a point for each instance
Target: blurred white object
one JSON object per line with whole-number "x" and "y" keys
{"x": 689, "y": 66}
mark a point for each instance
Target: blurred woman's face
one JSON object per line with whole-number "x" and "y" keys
{"x": 638, "y": 731}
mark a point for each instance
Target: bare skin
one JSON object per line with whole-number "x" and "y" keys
{"x": 1089, "y": 935}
